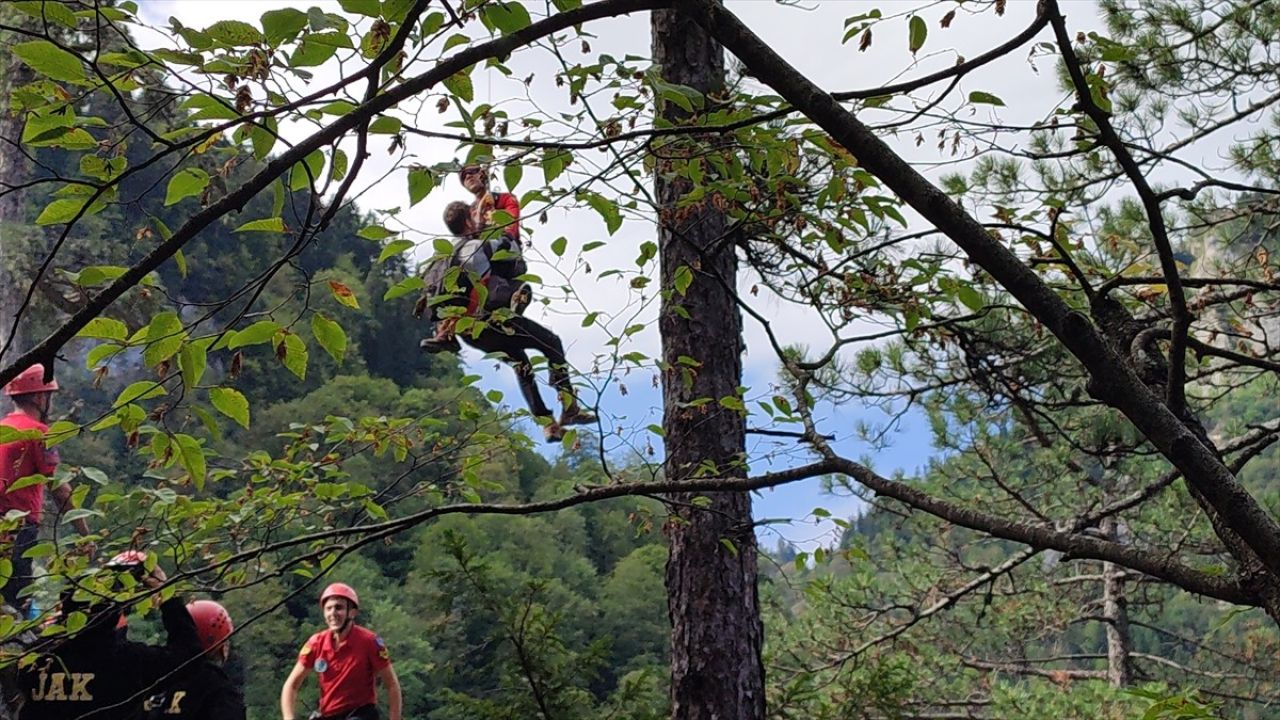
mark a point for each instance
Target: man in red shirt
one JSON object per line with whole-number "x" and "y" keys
{"x": 32, "y": 399}
{"x": 348, "y": 659}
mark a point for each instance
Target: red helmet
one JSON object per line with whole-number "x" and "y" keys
{"x": 30, "y": 381}
{"x": 213, "y": 623}
{"x": 341, "y": 590}
{"x": 128, "y": 558}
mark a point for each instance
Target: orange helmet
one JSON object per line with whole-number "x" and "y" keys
{"x": 340, "y": 590}
{"x": 213, "y": 622}
{"x": 30, "y": 381}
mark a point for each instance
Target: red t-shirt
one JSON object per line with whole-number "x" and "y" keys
{"x": 347, "y": 670}
{"x": 21, "y": 459}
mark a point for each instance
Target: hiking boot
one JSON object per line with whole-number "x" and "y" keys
{"x": 574, "y": 415}
{"x": 521, "y": 298}
{"x": 437, "y": 344}
{"x": 553, "y": 432}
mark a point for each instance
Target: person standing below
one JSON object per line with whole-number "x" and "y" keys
{"x": 348, "y": 659}
{"x": 32, "y": 398}
{"x": 94, "y": 673}
{"x": 201, "y": 690}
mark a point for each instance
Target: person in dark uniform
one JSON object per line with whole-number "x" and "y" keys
{"x": 201, "y": 690}
{"x": 95, "y": 673}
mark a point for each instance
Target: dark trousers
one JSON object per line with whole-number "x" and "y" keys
{"x": 364, "y": 712}
{"x": 25, "y": 538}
{"x": 514, "y": 338}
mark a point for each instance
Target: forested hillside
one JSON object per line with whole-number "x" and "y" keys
{"x": 1082, "y": 305}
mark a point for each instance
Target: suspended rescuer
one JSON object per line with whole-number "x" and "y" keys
{"x": 512, "y": 336}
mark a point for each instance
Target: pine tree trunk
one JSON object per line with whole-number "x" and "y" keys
{"x": 716, "y": 638}
{"x": 14, "y": 169}
{"x": 1115, "y": 612}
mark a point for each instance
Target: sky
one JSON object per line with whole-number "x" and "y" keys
{"x": 808, "y": 35}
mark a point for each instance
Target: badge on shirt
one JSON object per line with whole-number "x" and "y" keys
{"x": 382, "y": 648}
{"x": 321, "y": 665}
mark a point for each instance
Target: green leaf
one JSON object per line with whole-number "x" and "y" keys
{"x": 608, "y": 210}
{"x": 100, "y": 353}
{"x": 192, "y": 360}
{"x": 208, "y": 107}
{"x": 368, "y": 8}
{"x": 404, "y": 287}
{"x": 315, "y": 49}
{"x": 262, "y": 134}
{"x": 191, "y": 457}
{"x": 420, "y": 184}
{"x": 141, "y": 390}
{"x": 683, "y": 279}
{"x": 554, "y": 163}
{"x": 338, "y": 107}
{"x": 330, "y": 335}
{"x": 104, "y": 329}
{"x": 234, "y": 33}
{"x": 385, "y": 125}
{"x": 60, "y": 432}
{"x": 395, "y": 11}
{"x": 292, "y": 353}
{"x": 338, "y": 169}
{"x": 164, "y": 337}
{"x": 41, "y": 10}
{"x": 281, "y": 26}
{"x": 395, "y": 247}
{"x": 511, "y": 175}
{"x": 978, "y": 97}
{"x": 374, "y": 232}
{"x": 50, "y": 61}
{"x": 590, "y": 319}
{"x": 232, "y": 403}
{"x": 970, "y": 297}
{"x": 256, "y": 334}
{"x": 558, "y": 246}
{"x": 189, "y": 182}
{"x": 305, "y": 171}
{"x": 916, "y": 34}
{"x": 62, "y": 210}
{"x": 460, "y": 85}
{"x": 275, "y": 225}
{"x": 508, "y": 17}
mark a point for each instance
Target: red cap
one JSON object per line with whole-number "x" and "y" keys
{"x": 30, "y": 381}
{"x": 341, "y": 590}
{"x": 213, "y": 622}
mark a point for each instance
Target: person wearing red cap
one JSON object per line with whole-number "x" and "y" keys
{"x": 348, "y": 659}
{"x": 201, "y": 689}
{"x": 32, "y": 398}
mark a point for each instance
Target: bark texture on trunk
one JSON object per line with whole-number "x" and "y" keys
{"x": 716, "y": 638}
{"x": 1115, "y": 611}
{"x": 14, "y": 170}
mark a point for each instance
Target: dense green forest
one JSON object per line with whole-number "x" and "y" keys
{"x": 256, "y": 411}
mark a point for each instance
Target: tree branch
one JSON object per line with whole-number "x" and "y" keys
{"x": 1113, "y": 380}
